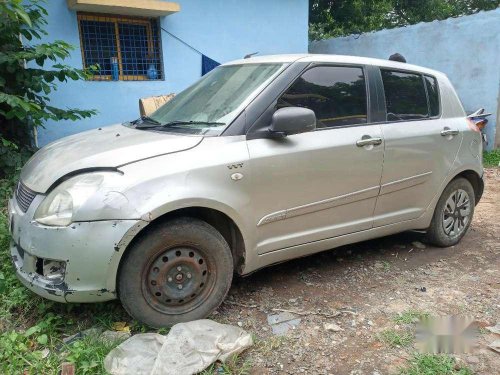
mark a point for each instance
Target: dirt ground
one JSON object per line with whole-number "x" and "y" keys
{"x": 371, "y": 283}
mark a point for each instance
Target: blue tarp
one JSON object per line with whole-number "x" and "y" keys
{"x": 207, "y": 64}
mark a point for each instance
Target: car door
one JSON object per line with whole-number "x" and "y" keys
{"x": 420, "y": 145}
{"x": 320, "y": 184}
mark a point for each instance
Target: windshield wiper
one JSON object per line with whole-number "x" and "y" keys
{"x": 144, "y": 119}
{"x": 159, "y": 125}
{"x": 178, "y": 122}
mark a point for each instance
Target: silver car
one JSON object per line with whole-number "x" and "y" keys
{"x": 262, "y": 160}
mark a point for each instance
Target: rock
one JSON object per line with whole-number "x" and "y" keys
{"x": 292, "y": 300}
{"x": 283, "y": 322}
{"x": 418, "y": 245}
{"x": 332, "y": 327}
{"x": 240, "y": 324}
{"x": 114, "y": 336}
{"x": 67, "y": 368}
{"x": 379, "y": 265}
{"x": 472, "y": 359}
{"x": 459, "y": 363}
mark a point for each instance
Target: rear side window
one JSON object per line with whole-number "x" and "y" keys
{"x": 433, "y": 93}
{"x": 405, "y": 96}
{"x": 336, "y": 94}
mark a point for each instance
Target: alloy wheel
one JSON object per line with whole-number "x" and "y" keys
{"x": 456, "y": 213}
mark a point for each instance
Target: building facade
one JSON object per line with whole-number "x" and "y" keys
{"x": 151, "y": 47}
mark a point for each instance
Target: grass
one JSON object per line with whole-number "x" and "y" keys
{"x": 32, "y": 328}
{"x": 88, "y": 354}
{"x": 395, "y": 338}
{"x": 491, "y": 158}
{"x": 410, "y": 316}
{"x": 234, "y": 365}
{"x": 432, "y": 364}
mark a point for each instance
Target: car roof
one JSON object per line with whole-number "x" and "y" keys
{"x": 340, "y": 59}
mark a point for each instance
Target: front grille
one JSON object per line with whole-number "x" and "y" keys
{"x": 24, "y": 196}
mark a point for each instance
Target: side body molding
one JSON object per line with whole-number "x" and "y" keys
{"x": 320, "y": 205}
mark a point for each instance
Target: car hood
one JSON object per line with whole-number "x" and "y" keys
{"x": 107, "y": 147}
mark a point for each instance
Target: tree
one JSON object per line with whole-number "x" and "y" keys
{"x": 29, "y": 72}
{"x": 331, "y": 18}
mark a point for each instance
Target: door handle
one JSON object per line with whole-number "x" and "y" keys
{"x": 446, "y": 131}
{"x": 368, "y": 141}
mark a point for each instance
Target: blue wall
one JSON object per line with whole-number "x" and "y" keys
{"x": 466, "y": 49}
{"x": 223, "y": 30}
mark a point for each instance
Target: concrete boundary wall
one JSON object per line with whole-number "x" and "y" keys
{"x": 467, "y": 49}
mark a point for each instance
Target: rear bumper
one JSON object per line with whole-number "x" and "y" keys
{"x": 480, "y": 188}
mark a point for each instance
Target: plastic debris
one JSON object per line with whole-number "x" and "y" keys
{"x": 78, "y": 336}
{"x": 495, "y": 345}
{"x": 283, "y": 322}
{"x": 187, "y": 349}
{"x": 113, "y": 336}
{"x": 494, "y": 329}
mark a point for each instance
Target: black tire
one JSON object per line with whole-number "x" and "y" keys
{"x": 439, "y": 233}
{"x": 179, "y": 271}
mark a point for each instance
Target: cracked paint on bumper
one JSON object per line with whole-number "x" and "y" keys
{"x": 91, "y": 251}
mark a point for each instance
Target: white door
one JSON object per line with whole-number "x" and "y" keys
{"x": 321, "y": 184}
{"x": 420, "y": 147}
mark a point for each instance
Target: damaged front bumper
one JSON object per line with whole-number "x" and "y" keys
{"x": 77, "y": 263}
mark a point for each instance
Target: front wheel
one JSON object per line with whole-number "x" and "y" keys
{"x": 179, "y": 271}
{"x": 453, "y": 214}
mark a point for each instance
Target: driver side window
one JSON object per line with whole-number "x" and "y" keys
{"x": 336, "y": 94}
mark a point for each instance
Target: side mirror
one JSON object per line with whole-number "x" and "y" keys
{"x": 292, "y": 120}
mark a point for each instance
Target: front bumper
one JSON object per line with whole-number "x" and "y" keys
{"x": 91, "y": 252}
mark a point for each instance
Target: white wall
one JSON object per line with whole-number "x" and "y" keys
{"x": 467, "y": 49}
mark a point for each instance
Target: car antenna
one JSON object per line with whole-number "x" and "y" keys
{"x": 250, "y": 55}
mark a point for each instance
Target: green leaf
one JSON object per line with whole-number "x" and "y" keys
{"x": 31, "y": 331}
{"x": 24, "y": 16}
{"x": 42, "y": 339}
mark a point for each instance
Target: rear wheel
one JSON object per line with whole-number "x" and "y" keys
{"x": 179, "y": 271}
{"x": 453, "y": 214}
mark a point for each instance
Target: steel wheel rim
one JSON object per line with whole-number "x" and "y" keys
{"x": 456, "y": 213}
{"x": 178, "y": 280}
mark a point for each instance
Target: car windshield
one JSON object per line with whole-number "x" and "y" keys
{"x": 208, "y": 106}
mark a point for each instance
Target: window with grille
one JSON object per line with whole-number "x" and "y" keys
{"x": 124, "y": 48}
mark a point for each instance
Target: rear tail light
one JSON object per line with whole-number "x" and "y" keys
{"x": 472, "y": 126}
{"x": 481, "y": 124}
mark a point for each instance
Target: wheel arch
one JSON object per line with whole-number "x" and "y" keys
{"x": 475, "y": 180}
{"x": 216, "y": 218}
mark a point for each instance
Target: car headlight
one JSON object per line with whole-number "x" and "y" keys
{"x": 58, "y": 208}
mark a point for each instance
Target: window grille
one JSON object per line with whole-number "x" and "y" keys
{"x": 125, "y": 48}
